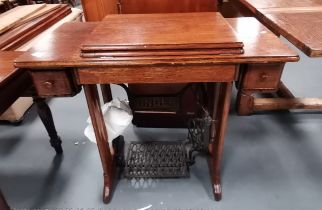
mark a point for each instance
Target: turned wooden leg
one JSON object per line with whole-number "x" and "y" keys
{"x": 47, "y": 119}
{"x": 218, "y": 128}
{"x": 95, "y": 112}
{"x": 3, "y": 203}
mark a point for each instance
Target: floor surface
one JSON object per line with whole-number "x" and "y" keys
{"x": 271, "y": 160}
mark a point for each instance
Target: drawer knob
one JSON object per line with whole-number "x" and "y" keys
{"x": 48, "y": 84}
{"x": 266, "y": 76}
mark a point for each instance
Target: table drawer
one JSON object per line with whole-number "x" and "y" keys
{"x": 54, "y": 83}
{"x": 262, "y": 76}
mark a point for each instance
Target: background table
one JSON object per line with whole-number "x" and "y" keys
{"x": 15, "y": 83}
{"x": 300, "y": 22}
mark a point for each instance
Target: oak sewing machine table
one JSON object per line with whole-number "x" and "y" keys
{"x": 300, "y": 22}
{"x": 152, "y": 48}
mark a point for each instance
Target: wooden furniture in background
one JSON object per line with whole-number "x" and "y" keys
{"x": 59, "y": 64}
{"x": 15, "y": 83}
{"x": 166, "y": 6}
{"x": 21, "y": 34}
{"x": 21, "y": 29}
{"x": 6, "y": 5}
{"x": 96, "y": 10}
{"x": 10, "y": 18}
{"x": 300, "y": 22}
{"x": 70, "y": 2}
{"x": 9, "y": 90}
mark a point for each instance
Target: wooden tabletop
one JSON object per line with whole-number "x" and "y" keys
{"x": 162, "y": 32}
{"x": 303, "y": 29}
{"x": 300, "y": 21}
{"x": 7, "y": 70}
{"x": 62, "y": 49}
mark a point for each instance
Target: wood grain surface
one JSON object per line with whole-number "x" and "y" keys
{"x": 46, "y": 9}
{"x": 7, "y": 69}
{"x": 299, "y": 21}
{"x": 96, "y": 10}
{"x": 303, "y": 29}
{"x": 61, "y": 48}
{"x": 291, "y": 10}
{"x": 11, "y": 17}
{"x": 269, "y": 104}
{"x": 264, "y": 4}
{"x": 162, "y": 31}
{"x": 20, "y": 35}
{"x": 154, "y": 75}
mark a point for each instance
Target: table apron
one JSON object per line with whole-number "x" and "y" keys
{"x": 158, "y": 74}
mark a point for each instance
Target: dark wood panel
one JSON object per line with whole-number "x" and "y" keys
{"x": 13, "y": 81}
{"x": 155, "y": 89}
{"x": 180, "y": 52}
{"x": 96, "y": 10}
{"x": 167, "y": 6}
{"x": 14, "y": 88}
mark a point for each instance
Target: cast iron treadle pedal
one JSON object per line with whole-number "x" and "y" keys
{"x": 157, "y": 160}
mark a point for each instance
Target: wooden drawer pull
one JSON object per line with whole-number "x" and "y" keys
{"x": 48, "y": 84}
{"x": 266, "y": 76}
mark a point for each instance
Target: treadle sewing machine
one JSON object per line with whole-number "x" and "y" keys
{"x": 156, "y": 48}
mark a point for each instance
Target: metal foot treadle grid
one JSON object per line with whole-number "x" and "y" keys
{"x": 156, "y": 160}
{"x": 168, "y": 159}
